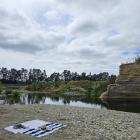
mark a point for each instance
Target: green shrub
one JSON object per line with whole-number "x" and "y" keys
{"x": 82, "y": 83}
{"x": 8, "y": 92}
{"x": 96, "y": 89}
{"x": 11, "y": 92}
{"x": 89, "y": 88}
{"x": 137, "y": 60}
{"x": 39, "y": 86}
{"x": 0, "y": 88}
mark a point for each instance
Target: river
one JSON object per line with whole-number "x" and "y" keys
{"x": 128, "y": 106}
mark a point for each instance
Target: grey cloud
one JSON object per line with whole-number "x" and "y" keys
{"x": 19, "y": 33}
{"x": 21, "y": 47}
{"x": 76, "y": 62}
{"x": 97, "y": 33}
{"x": 91, "y": 54}
{"x": 84, "y": 27}
{"x": 94, "y": 5}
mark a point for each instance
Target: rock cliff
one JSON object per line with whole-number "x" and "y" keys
{"x": 127, "y": 85}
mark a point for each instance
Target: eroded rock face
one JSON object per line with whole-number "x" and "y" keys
{"x": 127, "y": 85}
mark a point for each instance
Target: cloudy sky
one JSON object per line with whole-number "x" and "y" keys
{"x": 79, "y": 35}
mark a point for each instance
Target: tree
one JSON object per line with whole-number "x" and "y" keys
{"x": 83, "y": 76}
{"x": 112, "y": 79}
{"x": 137, "y": 59}
{"x": 66, "y": 75}
{"x": 24, "y": 76}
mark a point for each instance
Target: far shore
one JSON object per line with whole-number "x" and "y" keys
{"x": 65, "y": 94}
{"x": 82, "y": 123}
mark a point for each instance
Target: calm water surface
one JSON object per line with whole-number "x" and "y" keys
{"x": 52, "y": 100}
{"x": 128, "y": 106}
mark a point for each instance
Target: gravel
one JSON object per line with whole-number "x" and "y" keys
{"x": 82, "y": 123}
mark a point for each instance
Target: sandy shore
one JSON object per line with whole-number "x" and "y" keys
{"x": 82, "y": 123}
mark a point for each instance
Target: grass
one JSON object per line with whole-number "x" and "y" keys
{"x": 83, "y": 87}
{"x": 36, "y": 87}
{"x": 6, "y": 91}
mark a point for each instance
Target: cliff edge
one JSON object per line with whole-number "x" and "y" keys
{"x": 127, "y": 85}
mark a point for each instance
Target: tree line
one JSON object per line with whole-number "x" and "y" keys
{"x": 24, "y": 76}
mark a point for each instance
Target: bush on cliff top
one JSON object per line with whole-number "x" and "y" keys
{"x": 0, "y": 88}
{"x": 137, "y": 60}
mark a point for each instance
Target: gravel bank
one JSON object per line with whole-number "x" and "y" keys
{"x": 82, "y": 123}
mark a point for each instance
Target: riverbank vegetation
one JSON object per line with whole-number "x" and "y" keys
{"x": 66, "y": 83}
{"x": 72, "y": 88}
{"x": 0, "y": 88}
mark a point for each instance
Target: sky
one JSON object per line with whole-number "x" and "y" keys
{"x": 78, "y": 35}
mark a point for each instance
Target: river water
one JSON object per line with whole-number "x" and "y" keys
{"x": 47, "y": 99}
{"x": 128, "y": 106}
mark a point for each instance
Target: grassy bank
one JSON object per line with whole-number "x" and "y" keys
{"x": 71, "y": 88}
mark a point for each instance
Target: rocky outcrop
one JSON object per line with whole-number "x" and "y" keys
{"x": 127, "y": 85}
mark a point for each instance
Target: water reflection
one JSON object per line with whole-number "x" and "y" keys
{"x": 49, "y": 99}
{"x": 126, "y": 105}
{"x": 10, "y": 99}
{"x": 32, "y": 99}
{"x": 120, "y": 105}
